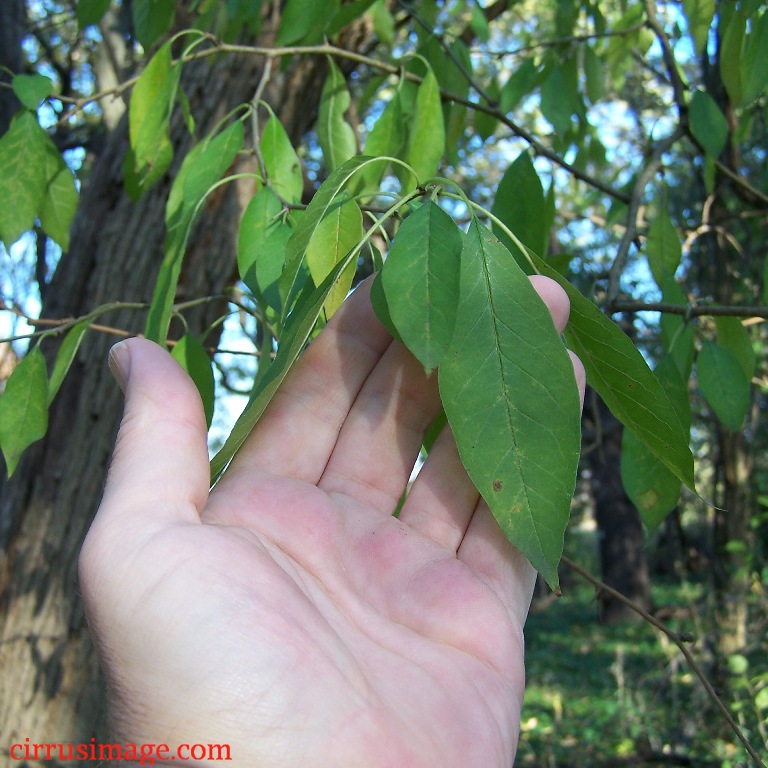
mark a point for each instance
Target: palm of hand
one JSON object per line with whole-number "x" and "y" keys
{"x": 289, "y": 614}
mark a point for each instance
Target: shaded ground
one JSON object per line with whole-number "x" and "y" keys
{"x": 624, "y": 696}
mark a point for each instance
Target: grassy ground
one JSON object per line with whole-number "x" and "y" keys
{"x": 624, "y": 696}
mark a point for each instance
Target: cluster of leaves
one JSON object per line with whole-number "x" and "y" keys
{"x": 461, "y": 301}
{"x": 36, "y": 178}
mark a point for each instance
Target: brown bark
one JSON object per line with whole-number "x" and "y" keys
{"x": 51, "y": 689}
{"x": 731, "y": 278}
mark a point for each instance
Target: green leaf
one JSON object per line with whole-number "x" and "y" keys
{"x": 452, "y": 66}
{"x": 435, "y": 428}
{"x": 723, "y": 384}
{"x": 699, "y": 14}
{"x": 731, "y": 55}
{"x": 379, "y": 304}
{"x": 281, "y": 161}
{"x": 66, "y": 356}
{"x": 738, "y": 664}
{"x": 663, "y": 248}
{"x": 203, "y": 166}
{"x": 653, "y": 488}
{"x": 336, "y": 136}
{"x": 676, "y": 387}
{"x": 386, "y": 139}
{"x": 59, "y": 203}
{"x": 152, "y": 19}
{"x": 594, "y": 74}
{"x": 521, "y": 82}
{"x": 304, "y": 22}
{"x": 521, "y": 206}
{"x": 383, "y": 22}
{"x": 566, "y": 14}
{"x": 32, "y": 89}
{"x": 619, "y": 373}
{"x": 338, "y": 232}
{"x": 193, "y": 358}
{"x": 427, "y": 135}
{"x": 509, "y": 392}
{"x": 149, "y": 118}
{"x": 186, "y": 111}
{"x": 708, "y": 124}
{"x": 754, "y": 62}
{"x": 677, "y": 333}
{"x": 302, "y": 320}
{"x": 23, "y": 168}
{"x": 479, "y": 23}
{"x": 201, "y": 169}
{"x": 733, "y": 336}
{"x": 420, "y": 279}
{"x": 347, "y": 14}
{"x": 559, "y": 100}
{"x": 486, "y": 124}
{"x": 91, "y": 12}
{"x": 261, "y": 244}
{"x": 24, "y": 407}
{"x": 310, "y": 221}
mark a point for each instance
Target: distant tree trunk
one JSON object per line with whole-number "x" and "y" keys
{"x": 730, "y": 277}
{"x": 622, "y": 540}
{"x": 12, "y": 31}
{"x": 732, "y": 532}
{"x": 732, "y": 540}
{"x": 50, "y": 689}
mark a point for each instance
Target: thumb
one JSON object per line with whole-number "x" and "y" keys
{"x": 159, "y": 473}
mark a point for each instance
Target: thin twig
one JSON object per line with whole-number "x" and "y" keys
{"x": 54, "y": 326}
{"x": 558, "y": 41}
{"x": 630, "y": 233}
{"x": 668, "y": 54}
{"x": 690, "y": 310}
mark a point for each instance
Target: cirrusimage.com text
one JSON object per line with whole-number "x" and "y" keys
{"x": 138, "y": 754}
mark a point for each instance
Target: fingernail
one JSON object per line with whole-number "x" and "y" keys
{"x": 120, "y": 363}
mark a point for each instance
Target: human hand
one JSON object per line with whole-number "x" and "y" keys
{"x": 287, "y": 613}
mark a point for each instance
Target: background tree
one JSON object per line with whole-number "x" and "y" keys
{"x": 620, "y": 146}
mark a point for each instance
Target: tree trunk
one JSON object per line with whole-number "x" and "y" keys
{"x": 51, "y": 689}
{"x": 732, "y": 277}
{"x": 622, "y": 540}
{"x": 12, "y": 32}
{"x": 732, "y": 542}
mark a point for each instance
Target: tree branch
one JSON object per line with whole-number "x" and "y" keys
{"x": 690, "y": 310}
{"x": 573, "y": 39}
{"x": 332, "y": 50}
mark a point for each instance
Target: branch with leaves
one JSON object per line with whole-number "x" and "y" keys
{"x": 458, "y": 296}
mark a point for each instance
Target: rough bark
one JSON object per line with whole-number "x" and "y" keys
{"x": 51, "y": 689}
{"x": 622, "y": 541}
